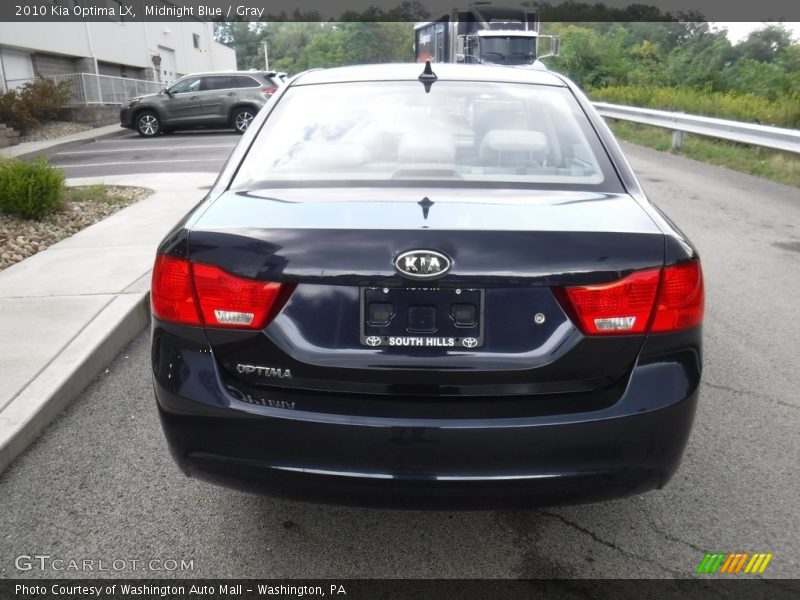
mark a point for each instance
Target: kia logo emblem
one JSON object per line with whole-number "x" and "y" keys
{"x": 422, "y": 264}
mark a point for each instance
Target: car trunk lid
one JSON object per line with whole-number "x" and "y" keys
{"x": 508, "y": 250}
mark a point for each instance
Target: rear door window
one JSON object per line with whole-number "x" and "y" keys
{"x": 218, "y": 82}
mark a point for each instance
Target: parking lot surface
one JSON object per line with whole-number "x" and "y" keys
{"x": 182, "y": 151}
{"x": 100, "y": 484}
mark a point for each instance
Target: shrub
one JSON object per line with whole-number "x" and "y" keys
{"x": 783, "y": 111}
{"x": 35, "y": 101}
{"x": 30, "y": 190}
{"x": 14, "y": 113}
{"x": 44, "y": 98}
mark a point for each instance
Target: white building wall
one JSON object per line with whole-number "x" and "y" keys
{"x": 178, "y": 36}
{"x": 119, "y": 43}
{"x": 59, "y": 38}
{"x": 127, "y": 43}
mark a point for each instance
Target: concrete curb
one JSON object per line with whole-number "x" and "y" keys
{"x": 51, "y": 367}
{"x": 65, "y": 378}
{"x": 48, "y": 146}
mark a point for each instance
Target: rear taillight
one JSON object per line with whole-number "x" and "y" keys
{"x": 200, "y": 294}
{"x": 171, "y": 293}
{"x": 229, "y": 301}
{"x": 655, "y": 300}
{"x": 681, "y": 302}
{"x": 269, "y": 90}
{"x": 622, "y": 306}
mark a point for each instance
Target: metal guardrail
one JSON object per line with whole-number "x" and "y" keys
{"x": 765, "y": 136}
{"x": 88, "y": 88}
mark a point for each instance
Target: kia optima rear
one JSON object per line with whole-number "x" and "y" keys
{"x": 428, "y": 288}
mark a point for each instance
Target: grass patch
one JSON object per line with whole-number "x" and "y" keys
{"x": 783, "y": 167}
{"x": 97, "y": 192}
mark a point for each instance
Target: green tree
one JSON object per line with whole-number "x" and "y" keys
{"x": 765, "y": 45}
{"x": 367, "y": 43}
{"x": 326, "y": 49}
{"x": 754, "y": 76}
{"x": 700, "y": 60}
{"x": 592, "y": 58}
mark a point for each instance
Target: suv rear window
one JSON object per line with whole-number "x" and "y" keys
{"x": 242, "y": 81}
{"x": 461, "y": 131}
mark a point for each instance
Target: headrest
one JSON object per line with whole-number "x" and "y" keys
{"x": 498, "y": 141}
{"x": 426, "y": 146}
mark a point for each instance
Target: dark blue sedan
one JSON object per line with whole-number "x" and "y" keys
{"x": 440, "y": 289}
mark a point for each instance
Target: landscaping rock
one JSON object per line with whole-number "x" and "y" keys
{"x": 21, "y": 238}
{"x": 51, "y": 130}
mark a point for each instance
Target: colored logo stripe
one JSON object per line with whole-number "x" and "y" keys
{"x": 758, "y": 563}
{"x": 710, "y": 563}
{"x": 734, "y": 562}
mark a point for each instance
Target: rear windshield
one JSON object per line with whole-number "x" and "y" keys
{"x": 475, "y": 132}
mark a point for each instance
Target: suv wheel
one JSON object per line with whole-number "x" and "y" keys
{"x": 242, "y": 119}
{"x": 147, "y": 124}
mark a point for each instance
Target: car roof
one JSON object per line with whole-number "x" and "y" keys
{"x": 444, "y": 72}
{"x": 208, "y": 73}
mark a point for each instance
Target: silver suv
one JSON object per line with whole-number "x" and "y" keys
{"x": 224, "y": 99}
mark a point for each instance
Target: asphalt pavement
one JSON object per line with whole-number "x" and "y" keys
{"x": 99, "y": 484}
{"x": 200, "y": 150}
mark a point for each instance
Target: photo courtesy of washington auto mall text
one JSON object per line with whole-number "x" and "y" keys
{"x": 158, "y": 590}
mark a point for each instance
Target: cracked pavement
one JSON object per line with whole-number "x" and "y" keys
{"x": 100, "y": 482}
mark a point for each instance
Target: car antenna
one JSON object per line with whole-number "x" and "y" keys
{"x": 428, "y": 77}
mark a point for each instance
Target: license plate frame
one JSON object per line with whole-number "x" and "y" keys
{"x": 447, "y": 335}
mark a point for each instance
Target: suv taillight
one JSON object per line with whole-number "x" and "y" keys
{"x": 653, "y": 300}
{"x": 269, "y": 90}
{"x": 199, "y": 294}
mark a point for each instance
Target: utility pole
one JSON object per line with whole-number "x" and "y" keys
{"x": 266, "y": 56}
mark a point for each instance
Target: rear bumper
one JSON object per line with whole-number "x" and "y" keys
{"x": 516, "y": 467}
{"x": 126, "y": 117}
{"x": 627, "y": 448}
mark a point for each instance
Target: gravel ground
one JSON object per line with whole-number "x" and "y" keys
{"x": 53, "y": 129}
{"x": 21, "y": 238}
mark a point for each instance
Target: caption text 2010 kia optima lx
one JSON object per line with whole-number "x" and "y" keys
{"x": 428, "y": 290}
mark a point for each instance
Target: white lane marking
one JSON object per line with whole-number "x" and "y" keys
{"x": 143, "y": 149}
{"x": 129, "y": 137}
{"x": 141, "y": 162}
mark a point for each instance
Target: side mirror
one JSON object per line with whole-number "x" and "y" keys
{"x": 167, "y": 92}
{"x": 555, "y": 45}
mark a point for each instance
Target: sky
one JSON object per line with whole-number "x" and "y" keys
{"x": 739, "y": 30}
